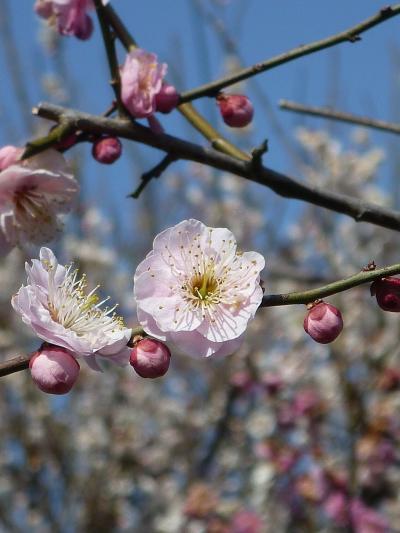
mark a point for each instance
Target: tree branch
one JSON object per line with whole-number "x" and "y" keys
{"x": 326, "y": 112}
{"x": 350, "y": 35}
{"x": 17, "y": 363}
{"x": 281, "y": 184}
{"x": 309, "y": 296}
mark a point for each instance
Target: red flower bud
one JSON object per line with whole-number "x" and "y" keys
{"x": 106, "y": 150}
{"x": 150, "y": 358}
{"x": 167, "y": 99}
{"x": 387, "y": 292}
{"x": 53, "y": 369}
{"x": 236, "y": 109}
{"x": 323, "y": 322}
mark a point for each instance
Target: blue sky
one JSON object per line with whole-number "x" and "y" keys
{"x": 361, "y": 77}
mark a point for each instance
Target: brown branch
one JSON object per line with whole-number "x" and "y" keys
{"x": 350, "y": 35}
{"x": 17, "y": 363}
{"x": 326, "y": 112}
{"x": 281, "y": 184}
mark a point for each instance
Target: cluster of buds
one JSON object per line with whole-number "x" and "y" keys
{"x": 55, "y": 369}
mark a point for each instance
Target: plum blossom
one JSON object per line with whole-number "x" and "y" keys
{"x": 141, "y": 81}
{"x": 196, "y": 290}
{"x": 33, "y": 193}
{"x": 55, "y": 304}
{"x": 69, "y": 16}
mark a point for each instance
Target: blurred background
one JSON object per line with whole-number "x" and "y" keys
{"x": 285, "y": 435}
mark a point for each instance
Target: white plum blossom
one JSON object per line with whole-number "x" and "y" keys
{"x": 196, "y": 290}
{"x": 33, "y": 193}
{"x": 56, "y": 306}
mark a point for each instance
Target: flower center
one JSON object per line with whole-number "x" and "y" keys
{"x": 70, "y": 306}
{"x": 204, "y": 285}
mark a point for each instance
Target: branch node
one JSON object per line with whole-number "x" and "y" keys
{"x": 257, "y": 154}
{"x": 353, "y": 38}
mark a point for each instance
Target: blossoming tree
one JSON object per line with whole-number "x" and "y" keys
{"x": 234, "y": 419}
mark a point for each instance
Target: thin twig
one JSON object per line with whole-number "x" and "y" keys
{"x": 155, "y": 172}
{"x": 281, "y": 184}
{"x": 109, "y": 45}
{"x": 20, "y": 362}
{"x": 326, "y": 112}
{"x": 309, "y": 296}
{"x": 350, "y": 35}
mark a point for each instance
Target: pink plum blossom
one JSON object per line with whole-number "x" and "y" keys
{"x": 33, "y": 193}
{"x": 69, "y": 16}
{"x": 55, "y": 304}
{"x": 196, "y": 290}
{"x": 141, "y": 80}
{"x": 54, "y": 369}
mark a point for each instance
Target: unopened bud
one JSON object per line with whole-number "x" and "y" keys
{"x": 150, "y": 358}
{"x": 167, "y": 99}
{"x": 323, "y": 322}
{"x": 83, "y": 27}
{"x": 387, "y": 293}
{"x": 106, "y": 150}
{"x": 9, "y": 155}
{"x": 236, "y": 109}
{"x": 53, "y": 369}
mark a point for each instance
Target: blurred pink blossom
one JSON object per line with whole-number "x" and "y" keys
{"x": 54, "y": 369}
{"x": 246, "y": 521}
{"x": 141, "y": 81}
{"x": 56, "y": 306}
{"x": 69, "y": 16}
{"x": 194, "y": 289}
{"x": 9, "y": 155}
{"x": 33, "y": 193}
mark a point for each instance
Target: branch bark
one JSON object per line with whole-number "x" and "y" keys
{"x": 281, "y": 184}
{"x": 350, "y": 35}
{"x": 350, "y": 118}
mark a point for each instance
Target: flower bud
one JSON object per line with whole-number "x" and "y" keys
{"x": 106, "y": 150}
{"x": 150, "y": 358}
{"x": 83, "y": 27}
{"x": 323, "y": 322}
{"x": 167, "y": 99}
{"x": 53, "y": 369}
{"x": 387, "y": 293}
{"x": 9, "y": 155}
{"x": 236, "y": 109}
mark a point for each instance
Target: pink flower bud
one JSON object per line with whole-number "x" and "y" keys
{"x": 167, "y": 99}
{"x": 9, "y": 155}
{"x": 83, "y": 28}
{"x": 106, "y": 150}
{"x": 150, "y": 358}
{"x": 53, "y": 369}
{"x": 236, "y": 109}
{"x": 387, "y": 293}
{"x": 323, "y": 322}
